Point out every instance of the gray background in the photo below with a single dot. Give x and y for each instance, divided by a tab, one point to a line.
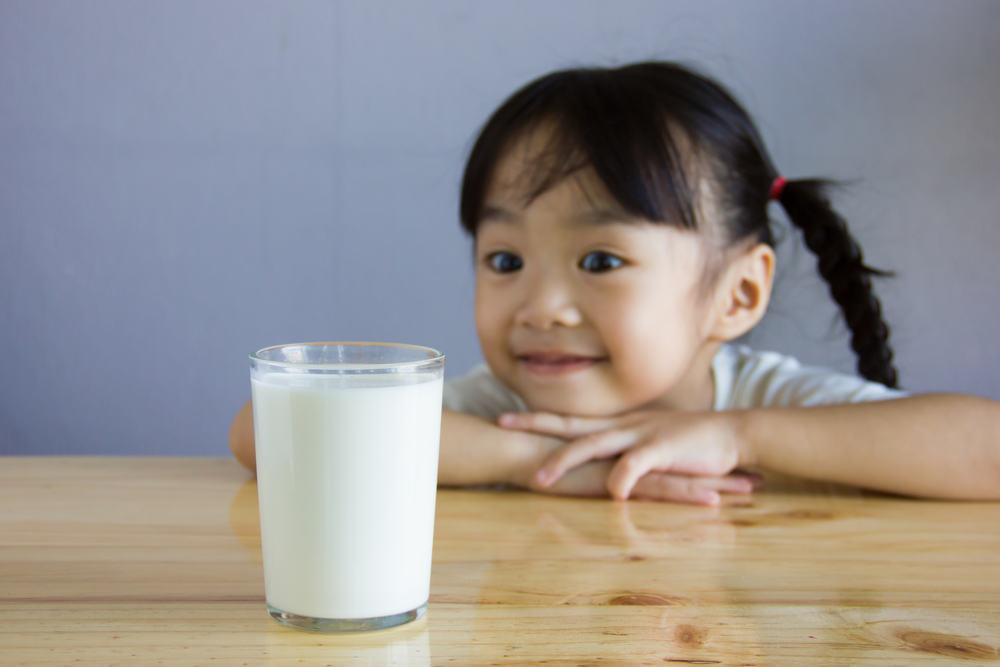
184	182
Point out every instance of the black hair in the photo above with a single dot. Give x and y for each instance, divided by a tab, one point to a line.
654	133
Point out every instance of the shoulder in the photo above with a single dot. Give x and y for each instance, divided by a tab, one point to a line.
480	393
747	378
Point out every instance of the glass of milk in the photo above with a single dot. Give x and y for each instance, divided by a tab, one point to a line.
347	449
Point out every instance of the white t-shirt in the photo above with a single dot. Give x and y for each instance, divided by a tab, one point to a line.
744	378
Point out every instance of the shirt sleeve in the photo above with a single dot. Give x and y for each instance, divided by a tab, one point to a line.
748	379
481	394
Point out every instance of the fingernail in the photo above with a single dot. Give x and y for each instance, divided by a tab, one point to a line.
505	419
711	498
543	477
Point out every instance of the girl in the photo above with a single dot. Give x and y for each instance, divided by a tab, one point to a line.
619	218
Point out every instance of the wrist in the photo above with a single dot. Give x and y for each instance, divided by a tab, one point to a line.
743	425
524	454
476	451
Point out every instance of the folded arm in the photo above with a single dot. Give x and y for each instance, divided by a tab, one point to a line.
475	451
943	445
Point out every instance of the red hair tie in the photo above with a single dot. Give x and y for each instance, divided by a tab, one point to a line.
777	187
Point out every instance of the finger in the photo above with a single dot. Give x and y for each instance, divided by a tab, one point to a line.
595	446
632	466
690	489
677	488
685	488
547	423
756	479
738	484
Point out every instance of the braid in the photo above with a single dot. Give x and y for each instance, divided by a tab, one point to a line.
841	264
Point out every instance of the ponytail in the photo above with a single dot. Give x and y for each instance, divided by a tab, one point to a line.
840	262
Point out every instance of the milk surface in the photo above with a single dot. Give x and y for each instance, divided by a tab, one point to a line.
347	478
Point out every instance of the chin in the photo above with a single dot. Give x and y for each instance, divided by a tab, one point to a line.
578	407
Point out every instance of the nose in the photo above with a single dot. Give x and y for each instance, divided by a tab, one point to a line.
548	302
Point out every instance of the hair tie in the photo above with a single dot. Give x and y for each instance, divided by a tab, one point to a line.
777	187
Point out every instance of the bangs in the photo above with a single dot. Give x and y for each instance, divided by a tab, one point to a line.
615	122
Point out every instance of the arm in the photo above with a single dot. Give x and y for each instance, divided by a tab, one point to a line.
943	445
241	437
935	445
476	451
473	450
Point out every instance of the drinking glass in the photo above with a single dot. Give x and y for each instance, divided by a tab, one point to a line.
346	441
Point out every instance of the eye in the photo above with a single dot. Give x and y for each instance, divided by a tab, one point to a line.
599	262
504	262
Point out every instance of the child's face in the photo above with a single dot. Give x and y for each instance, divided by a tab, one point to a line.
582	309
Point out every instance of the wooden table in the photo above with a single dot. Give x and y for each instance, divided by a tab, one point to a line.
131	560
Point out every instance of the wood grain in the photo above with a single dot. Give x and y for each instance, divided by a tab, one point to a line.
157	561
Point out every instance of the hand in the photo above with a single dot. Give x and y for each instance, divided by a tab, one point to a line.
590	479
688	456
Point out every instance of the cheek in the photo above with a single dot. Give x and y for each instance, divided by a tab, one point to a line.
629	322
489	317
648	338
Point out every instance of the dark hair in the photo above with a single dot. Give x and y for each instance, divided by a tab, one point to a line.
653	132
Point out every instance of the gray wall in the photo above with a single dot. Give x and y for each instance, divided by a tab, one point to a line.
184	182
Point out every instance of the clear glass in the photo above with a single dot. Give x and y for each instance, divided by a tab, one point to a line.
347	441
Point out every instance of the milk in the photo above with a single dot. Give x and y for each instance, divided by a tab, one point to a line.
346	474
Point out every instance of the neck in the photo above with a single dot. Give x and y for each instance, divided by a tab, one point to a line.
696	390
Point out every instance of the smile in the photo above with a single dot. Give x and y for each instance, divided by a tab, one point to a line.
557	364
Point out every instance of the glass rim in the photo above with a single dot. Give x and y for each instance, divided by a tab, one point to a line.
434	357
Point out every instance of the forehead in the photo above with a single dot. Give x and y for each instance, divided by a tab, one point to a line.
533	168
536	160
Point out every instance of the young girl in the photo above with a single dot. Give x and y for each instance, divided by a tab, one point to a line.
622	241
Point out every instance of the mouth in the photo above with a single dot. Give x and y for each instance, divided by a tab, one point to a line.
554	363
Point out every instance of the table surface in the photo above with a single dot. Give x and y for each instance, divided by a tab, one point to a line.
131	560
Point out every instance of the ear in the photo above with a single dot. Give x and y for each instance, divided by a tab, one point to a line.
743	292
